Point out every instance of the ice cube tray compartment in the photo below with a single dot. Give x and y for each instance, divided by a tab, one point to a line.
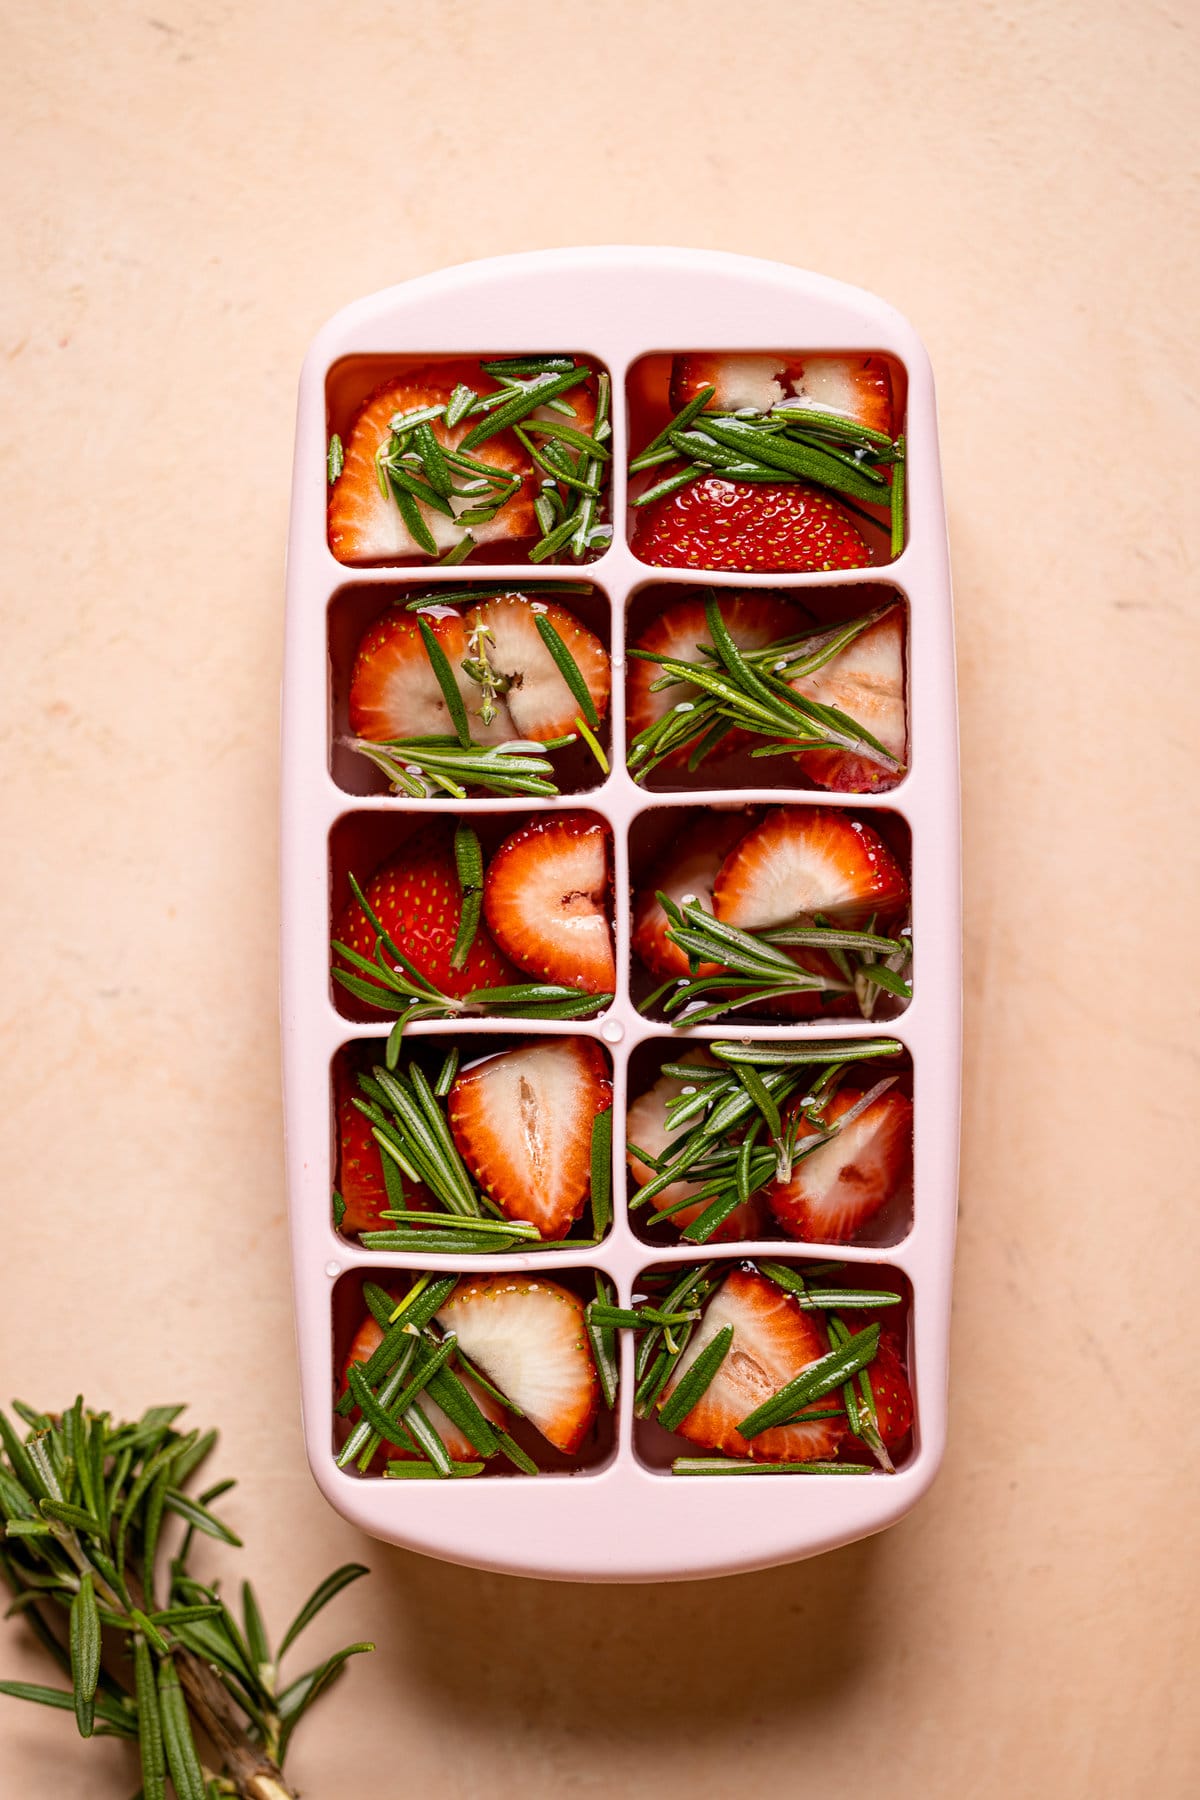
621	1519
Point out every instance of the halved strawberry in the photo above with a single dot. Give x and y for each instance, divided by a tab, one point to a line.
686	870
681	631
418	900
850	385
536	700
360	1160
528	1335
547	899
836	1190
802	860
757	527
772	1342
366	525
522	1121
394	692
367	1340
646	1126
866	681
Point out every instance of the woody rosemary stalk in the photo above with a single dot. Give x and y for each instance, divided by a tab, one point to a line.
152	1654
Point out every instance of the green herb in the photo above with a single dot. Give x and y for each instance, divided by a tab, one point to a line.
722	1465
601	1172
694	1384
468	860
81	1498
788	443
336	460
756	969
726	688
397	985
603	1339
820	1377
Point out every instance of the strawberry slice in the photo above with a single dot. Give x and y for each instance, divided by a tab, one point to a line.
850	385
367	1340
394	692
546	899
418	900
687	871
890	1391
522	1121
366	525
646	1126
802	860
836	1190
866	681
529	1336
772	1341
756	527
536	699
681	631
360	1162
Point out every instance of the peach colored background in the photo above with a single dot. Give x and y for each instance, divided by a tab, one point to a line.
189	190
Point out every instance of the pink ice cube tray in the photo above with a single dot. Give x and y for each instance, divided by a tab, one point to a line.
622	1515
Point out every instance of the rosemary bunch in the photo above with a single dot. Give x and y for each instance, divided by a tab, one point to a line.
733	1136
398	986
152	1653
408	1123
788	443
416	468
756	969
753	691
840	1378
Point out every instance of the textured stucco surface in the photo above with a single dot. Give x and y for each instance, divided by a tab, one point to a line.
188	191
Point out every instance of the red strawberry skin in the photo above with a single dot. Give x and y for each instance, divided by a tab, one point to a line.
891	1392
417	898
834	1193
360	1161
547	899
757	528
533	1156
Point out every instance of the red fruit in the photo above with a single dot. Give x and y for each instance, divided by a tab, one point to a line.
849	385
546	898
536	701
646	1126
522	1121
802	860
366	525
866	681
772	1342
681	630
529	1336
686	870
394	692
360	1163
891	1392
418	900
836	1190
757	527
368	1339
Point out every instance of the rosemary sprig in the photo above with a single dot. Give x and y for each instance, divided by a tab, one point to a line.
788	443
152	1654
753	691
717	1123
732	1465
407	1116
392	983
756	969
